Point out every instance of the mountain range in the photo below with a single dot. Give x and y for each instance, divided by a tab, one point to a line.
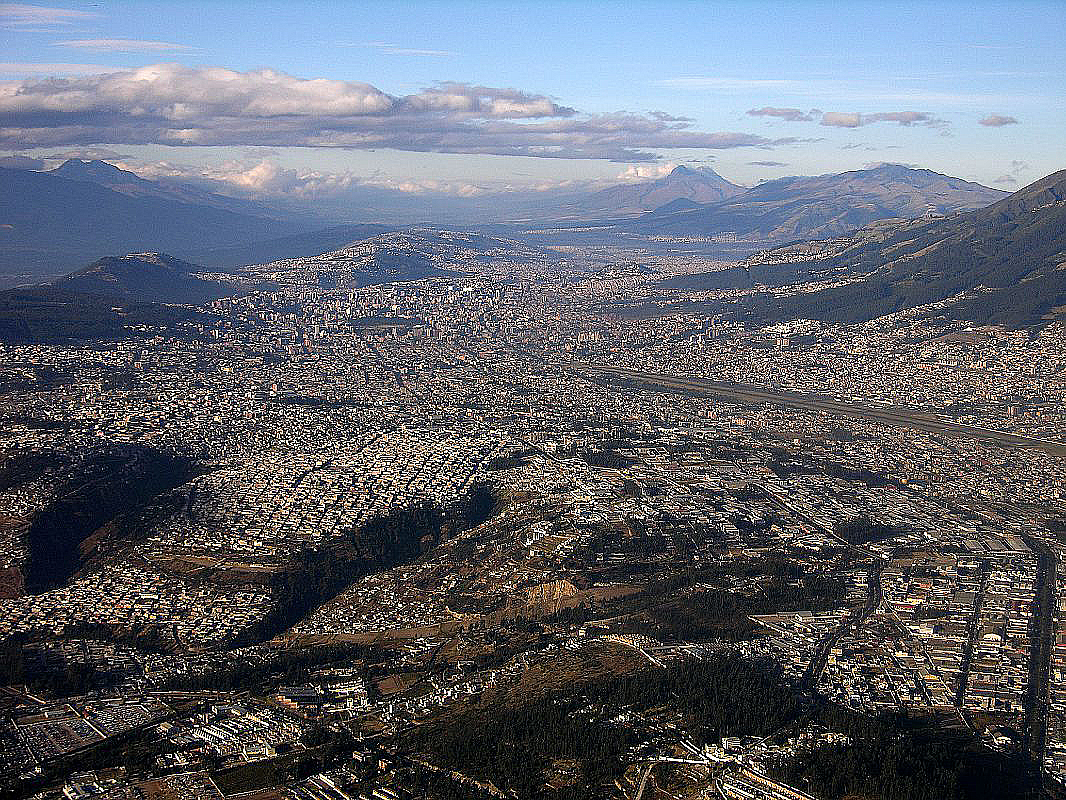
51	223
1003	264
788	209
54	221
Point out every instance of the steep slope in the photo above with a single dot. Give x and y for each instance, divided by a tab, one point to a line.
788	209
1009	259
148	277
50	224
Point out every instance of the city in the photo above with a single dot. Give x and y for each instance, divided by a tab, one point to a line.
551	400
630	526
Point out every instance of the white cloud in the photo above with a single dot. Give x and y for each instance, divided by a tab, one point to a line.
264	177
396	50
645	172
123	45
20	16
176	104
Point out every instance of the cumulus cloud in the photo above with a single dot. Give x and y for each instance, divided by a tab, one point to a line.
997	121
123	45
23	17
840	119
790	114
265	178
258	178
645	172
182	105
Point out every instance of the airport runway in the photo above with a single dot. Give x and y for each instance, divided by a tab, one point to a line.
889	415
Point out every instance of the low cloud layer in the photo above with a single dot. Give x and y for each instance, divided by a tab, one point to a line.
180	105
263	178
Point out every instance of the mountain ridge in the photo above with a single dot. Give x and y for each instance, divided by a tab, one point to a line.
50	224
1002	264
799	207
150	276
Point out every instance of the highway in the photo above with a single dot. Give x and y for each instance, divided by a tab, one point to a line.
810	401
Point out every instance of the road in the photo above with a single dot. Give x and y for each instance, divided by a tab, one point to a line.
643	782
1041	636
971	637
855	617
810	401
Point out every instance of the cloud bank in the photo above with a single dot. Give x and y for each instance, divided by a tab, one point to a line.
181	105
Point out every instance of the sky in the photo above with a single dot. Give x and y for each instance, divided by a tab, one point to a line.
466	98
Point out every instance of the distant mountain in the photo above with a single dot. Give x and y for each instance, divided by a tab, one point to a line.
702	185
50	224
1008	261
76	169
144	277
128	183
788	209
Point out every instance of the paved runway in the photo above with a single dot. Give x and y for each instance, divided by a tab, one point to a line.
750	393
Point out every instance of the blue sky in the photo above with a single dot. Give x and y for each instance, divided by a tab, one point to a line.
972	89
